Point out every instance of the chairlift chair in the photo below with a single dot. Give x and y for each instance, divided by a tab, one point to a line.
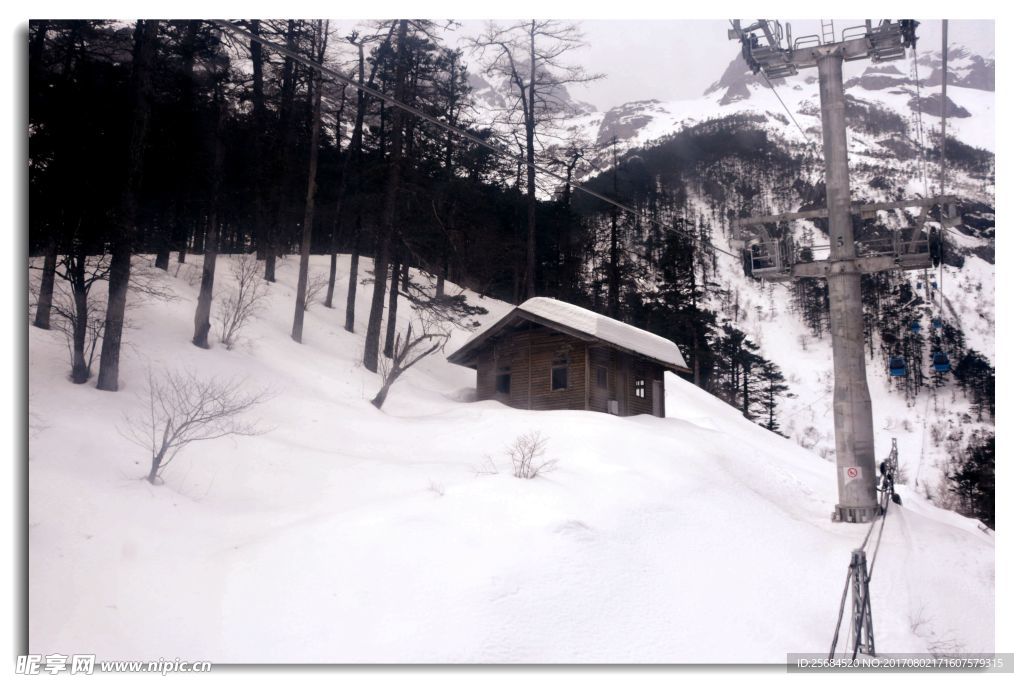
897	366
940	361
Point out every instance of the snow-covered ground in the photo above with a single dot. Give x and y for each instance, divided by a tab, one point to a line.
348	534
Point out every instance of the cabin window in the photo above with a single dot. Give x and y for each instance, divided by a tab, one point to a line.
560	373
602	377
640	388
503	380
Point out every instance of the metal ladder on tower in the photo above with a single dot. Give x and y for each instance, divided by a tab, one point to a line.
828	31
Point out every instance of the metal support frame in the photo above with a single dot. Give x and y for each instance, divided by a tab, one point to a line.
863	629
855	450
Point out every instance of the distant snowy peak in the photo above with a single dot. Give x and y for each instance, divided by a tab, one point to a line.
736	82
498	93
627	120
965	69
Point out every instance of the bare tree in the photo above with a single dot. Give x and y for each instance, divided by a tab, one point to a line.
81	271
80	320
410	349
184	408
236	308
530	54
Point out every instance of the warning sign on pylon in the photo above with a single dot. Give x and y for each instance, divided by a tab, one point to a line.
851	474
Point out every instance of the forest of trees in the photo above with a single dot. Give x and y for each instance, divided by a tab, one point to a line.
169	138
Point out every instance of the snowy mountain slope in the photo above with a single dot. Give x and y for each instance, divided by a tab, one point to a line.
348	534
883	163
971	89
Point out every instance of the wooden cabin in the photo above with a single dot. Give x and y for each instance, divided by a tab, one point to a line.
547	354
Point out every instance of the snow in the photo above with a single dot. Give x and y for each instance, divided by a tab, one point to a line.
765	312
599	326
348	534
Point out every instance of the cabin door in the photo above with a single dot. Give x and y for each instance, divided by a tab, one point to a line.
658	394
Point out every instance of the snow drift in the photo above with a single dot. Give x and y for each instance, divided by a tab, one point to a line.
348	534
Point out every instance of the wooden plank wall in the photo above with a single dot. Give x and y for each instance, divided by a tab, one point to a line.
529	354
602	357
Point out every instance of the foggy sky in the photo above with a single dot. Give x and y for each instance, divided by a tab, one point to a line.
671	59
668	60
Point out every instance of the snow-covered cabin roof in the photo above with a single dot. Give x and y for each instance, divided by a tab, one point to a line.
579	322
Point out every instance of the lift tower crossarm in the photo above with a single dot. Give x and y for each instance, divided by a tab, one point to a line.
863	210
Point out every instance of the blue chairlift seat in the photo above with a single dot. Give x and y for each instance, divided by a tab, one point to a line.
940	361
937	323
897	366
915	327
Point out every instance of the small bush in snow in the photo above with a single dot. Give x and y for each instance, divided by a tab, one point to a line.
316	284
527	455
486	467
245	299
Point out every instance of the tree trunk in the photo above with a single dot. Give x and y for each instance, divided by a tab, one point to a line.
442	272
389	338
382	252
531	176
183	248
307	220
285	132
121	250
79	368
183	225
45	302
329	299
259	121
354	162
201	333
163	251
154	468
353	280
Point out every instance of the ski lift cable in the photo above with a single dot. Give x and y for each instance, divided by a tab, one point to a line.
784	106
878	539
238	33
942	154
792	118
922	159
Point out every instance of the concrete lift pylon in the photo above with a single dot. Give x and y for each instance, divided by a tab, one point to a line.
778	56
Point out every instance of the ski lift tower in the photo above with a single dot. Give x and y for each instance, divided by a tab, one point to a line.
770	49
